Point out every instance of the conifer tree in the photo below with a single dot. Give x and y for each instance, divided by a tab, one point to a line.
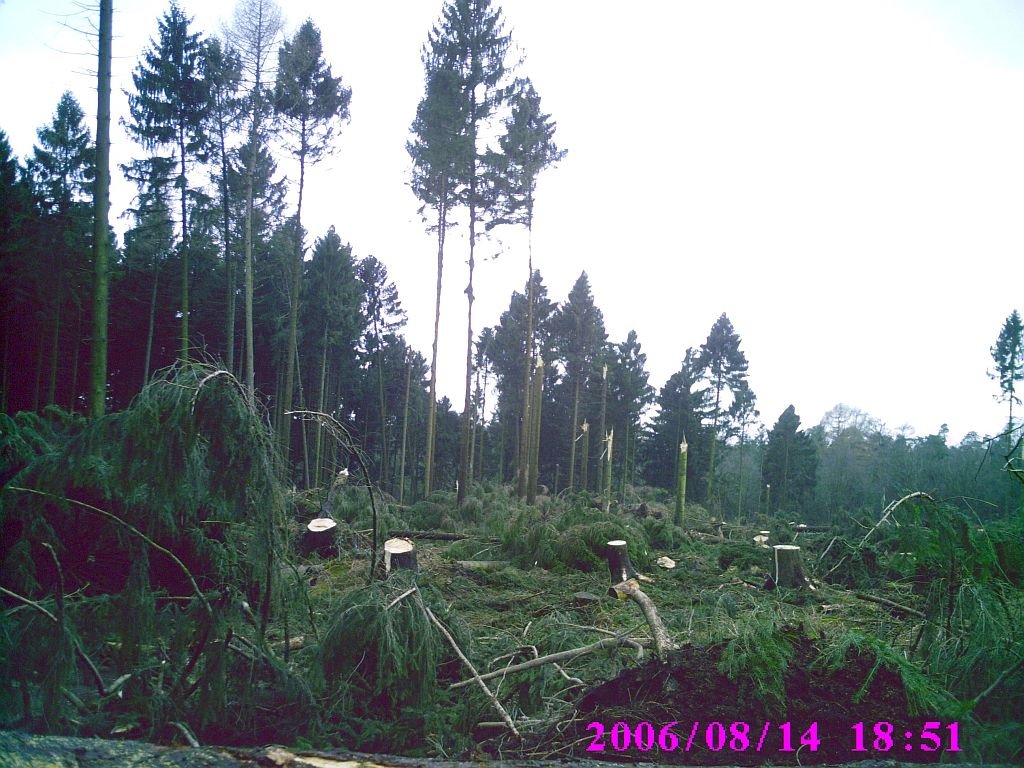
527	148
725	367
470	43
224	74
254	30
579	339
790	462
1008	355
440	152
169	108
311	103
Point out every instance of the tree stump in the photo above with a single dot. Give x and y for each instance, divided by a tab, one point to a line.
399	554
320	537
789	568
619	564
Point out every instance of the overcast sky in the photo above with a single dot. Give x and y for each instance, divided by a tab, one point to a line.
844	179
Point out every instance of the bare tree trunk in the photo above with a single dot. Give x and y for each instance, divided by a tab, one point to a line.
405	430
51	396
467	415
534	448
101	226
428	463
572	443
152	322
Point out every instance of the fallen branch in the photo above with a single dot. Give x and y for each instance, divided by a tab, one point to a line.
890	604
551	658
998	682
469	665
434	535
886	514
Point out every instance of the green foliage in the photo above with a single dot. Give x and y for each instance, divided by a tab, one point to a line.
381	660
757	659
923	696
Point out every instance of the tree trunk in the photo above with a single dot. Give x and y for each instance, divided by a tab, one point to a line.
534	433
585	458
51	396
572	439
291	356
320	408
405	431
399	554
184	251
681	483
428	462
229	262
152	322
101	236
467	415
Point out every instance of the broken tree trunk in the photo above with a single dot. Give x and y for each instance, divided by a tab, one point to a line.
399	554
625	583
789	568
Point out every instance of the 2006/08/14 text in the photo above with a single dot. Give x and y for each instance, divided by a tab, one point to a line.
739	736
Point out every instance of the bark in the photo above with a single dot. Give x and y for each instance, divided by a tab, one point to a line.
405	432
789	568
535	413
575	427
428	463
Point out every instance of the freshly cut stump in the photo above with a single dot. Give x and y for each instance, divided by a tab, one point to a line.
789	568
399	554
619	564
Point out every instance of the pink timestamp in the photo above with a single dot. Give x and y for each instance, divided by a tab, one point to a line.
740	736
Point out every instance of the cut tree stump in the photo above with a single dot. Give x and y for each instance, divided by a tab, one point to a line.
399	554
789	568
619	564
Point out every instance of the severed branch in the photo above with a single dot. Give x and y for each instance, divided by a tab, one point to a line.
998	682
885	516
469	665
551	658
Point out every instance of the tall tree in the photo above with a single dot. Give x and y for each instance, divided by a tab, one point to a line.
224	75
254	30
527	148
169	108
1008	355
726	369
580	338
62	169
311	103
440	151
384	317
790	461
471	43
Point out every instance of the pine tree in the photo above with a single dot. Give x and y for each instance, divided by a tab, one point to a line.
62	170
790	463
726	368
579	339
253	33
311	103
224	75
1008	355
169	108
527	148
471	44
440	152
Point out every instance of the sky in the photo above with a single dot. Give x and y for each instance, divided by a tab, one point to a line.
844	180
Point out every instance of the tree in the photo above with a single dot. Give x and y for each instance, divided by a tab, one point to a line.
579	338
62	170
630	394
725	367
169	107
1008	355
471	44
311	103
789	464
224	75
253	33
101	204
682	405
384	317
440	150
527	148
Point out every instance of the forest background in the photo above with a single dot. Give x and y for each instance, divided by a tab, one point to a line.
335	316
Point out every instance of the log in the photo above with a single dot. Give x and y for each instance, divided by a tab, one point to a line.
789	568
399	554
619	564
